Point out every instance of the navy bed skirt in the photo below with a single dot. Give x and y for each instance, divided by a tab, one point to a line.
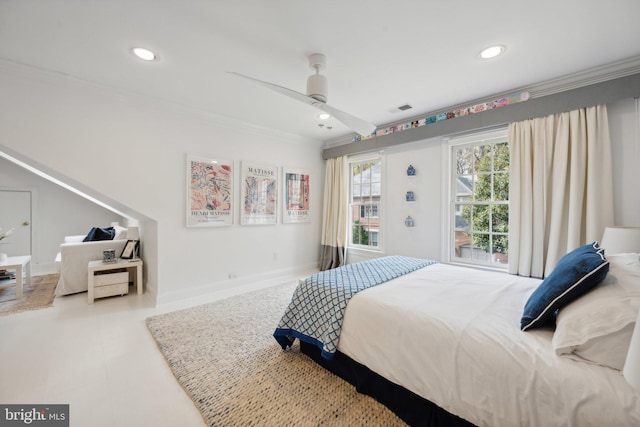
411	408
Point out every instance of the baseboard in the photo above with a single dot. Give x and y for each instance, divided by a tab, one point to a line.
237	286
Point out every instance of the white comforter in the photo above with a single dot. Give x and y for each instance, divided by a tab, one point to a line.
451	335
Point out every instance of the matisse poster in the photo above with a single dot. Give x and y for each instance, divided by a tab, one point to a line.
295	196
259	194
209	192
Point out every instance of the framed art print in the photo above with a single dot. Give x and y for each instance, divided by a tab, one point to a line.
295	197
209	192
259	194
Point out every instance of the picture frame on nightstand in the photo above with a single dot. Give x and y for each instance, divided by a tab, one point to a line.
130	249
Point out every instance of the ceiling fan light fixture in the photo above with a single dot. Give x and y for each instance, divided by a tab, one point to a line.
492	52
144	54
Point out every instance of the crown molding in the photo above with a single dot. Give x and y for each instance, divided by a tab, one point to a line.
566	83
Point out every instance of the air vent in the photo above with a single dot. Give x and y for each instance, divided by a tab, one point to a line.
400	108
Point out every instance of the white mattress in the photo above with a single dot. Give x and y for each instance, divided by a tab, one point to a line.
451	335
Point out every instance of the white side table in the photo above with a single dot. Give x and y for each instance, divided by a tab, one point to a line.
21	264
112	283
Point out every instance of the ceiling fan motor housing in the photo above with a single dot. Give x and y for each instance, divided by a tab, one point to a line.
317	84
317	87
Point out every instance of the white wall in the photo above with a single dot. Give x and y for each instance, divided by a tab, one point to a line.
427	156
56	213
422	240
133	150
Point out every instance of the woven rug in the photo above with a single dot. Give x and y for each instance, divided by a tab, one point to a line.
39	294
226	359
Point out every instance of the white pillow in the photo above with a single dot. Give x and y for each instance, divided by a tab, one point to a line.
74	239
121	233
597	327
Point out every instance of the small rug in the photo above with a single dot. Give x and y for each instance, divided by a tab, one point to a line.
39	294
225	357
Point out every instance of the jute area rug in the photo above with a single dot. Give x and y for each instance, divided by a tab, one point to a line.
225	357
39	294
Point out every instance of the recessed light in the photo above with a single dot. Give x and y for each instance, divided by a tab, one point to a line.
144	54
492	52
323	116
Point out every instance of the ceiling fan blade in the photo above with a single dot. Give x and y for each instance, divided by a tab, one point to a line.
354	123
280	89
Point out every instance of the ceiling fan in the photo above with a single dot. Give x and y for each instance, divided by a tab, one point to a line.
317	96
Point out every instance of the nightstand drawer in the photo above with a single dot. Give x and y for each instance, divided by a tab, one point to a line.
110	279
111	290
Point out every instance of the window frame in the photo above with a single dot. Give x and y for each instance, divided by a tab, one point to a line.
351	161
450	206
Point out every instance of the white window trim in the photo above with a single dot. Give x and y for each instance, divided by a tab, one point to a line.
447	189
359	249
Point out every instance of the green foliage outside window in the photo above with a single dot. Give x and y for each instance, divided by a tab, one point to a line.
360	235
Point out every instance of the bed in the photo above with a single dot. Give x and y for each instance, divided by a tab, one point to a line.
443	345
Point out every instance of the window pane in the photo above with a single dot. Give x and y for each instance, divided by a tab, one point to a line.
463	217
482	158
464	188
464	161
375	189
357	213
500	218
501	186
462	243
500	249
481	218
483	187
373	237
501	157
366	172
356	190
359	234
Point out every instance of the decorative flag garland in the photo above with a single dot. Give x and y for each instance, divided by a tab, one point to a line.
478	108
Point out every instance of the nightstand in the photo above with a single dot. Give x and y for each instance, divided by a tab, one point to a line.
112	278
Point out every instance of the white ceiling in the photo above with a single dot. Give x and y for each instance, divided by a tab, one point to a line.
380	54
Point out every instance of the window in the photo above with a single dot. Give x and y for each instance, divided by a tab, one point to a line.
480	199
369	211
365	193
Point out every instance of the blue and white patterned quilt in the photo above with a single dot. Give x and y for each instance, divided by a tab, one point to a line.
318	304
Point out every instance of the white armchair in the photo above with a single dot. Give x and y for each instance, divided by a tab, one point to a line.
74	258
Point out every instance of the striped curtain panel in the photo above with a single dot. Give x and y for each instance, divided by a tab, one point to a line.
334	215
561	187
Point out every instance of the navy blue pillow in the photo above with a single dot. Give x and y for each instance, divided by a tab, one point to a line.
97	233
576	273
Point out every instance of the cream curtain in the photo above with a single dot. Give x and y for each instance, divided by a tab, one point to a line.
334	215
561	187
